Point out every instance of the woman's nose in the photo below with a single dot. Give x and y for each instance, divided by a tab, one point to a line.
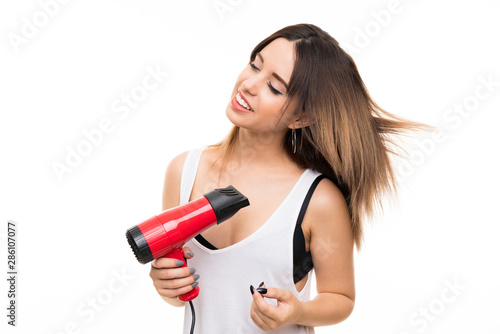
250	84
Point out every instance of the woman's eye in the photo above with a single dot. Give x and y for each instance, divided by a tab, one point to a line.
254	67
274	90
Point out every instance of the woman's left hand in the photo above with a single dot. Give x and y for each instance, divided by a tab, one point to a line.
269	317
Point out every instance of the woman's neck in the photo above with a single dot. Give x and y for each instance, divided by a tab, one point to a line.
259	149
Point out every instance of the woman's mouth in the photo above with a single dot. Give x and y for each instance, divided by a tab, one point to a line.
240	104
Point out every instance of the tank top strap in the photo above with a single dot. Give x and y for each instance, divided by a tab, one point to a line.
189	174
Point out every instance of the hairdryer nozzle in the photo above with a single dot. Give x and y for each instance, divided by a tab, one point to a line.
139	245
226	202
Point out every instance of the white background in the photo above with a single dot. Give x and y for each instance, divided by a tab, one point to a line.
418	62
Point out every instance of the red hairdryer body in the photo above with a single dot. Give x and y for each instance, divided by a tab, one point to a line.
165	234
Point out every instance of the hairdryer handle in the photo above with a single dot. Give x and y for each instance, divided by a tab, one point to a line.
179	255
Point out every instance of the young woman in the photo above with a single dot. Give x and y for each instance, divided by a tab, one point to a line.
311	151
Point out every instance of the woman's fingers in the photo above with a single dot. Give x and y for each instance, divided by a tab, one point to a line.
188	253
171	280
166	262
172	293
175	283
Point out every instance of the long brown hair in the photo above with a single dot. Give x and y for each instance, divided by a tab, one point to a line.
349	140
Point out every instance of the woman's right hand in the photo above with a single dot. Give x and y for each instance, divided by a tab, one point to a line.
171	281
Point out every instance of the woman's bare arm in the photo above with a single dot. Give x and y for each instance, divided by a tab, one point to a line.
331	246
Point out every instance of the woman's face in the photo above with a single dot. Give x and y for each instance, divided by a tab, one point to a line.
262	88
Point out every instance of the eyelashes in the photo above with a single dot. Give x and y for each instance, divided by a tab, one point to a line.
254	67
273	90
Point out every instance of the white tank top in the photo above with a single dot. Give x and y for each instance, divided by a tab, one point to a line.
223	305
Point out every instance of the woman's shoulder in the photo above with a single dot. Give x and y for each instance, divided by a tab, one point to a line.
174	167
176	164
327	207
173	175
327	193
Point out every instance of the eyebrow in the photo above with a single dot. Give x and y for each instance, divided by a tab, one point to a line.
280	79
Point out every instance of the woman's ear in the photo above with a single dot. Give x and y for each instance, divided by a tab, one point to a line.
301	122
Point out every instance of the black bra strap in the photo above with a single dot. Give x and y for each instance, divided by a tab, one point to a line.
205	242
308	198
302	259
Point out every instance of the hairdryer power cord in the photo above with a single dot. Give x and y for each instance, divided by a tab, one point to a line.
193	317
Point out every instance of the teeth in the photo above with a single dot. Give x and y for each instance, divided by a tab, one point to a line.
242	102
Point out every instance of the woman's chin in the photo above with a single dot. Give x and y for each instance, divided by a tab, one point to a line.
232	115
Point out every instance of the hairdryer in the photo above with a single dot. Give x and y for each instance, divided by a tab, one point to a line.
165	234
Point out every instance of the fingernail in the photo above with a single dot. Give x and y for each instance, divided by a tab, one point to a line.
262	291
189	253
179	263
194	285
195	277
252	289
192	271
261	284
